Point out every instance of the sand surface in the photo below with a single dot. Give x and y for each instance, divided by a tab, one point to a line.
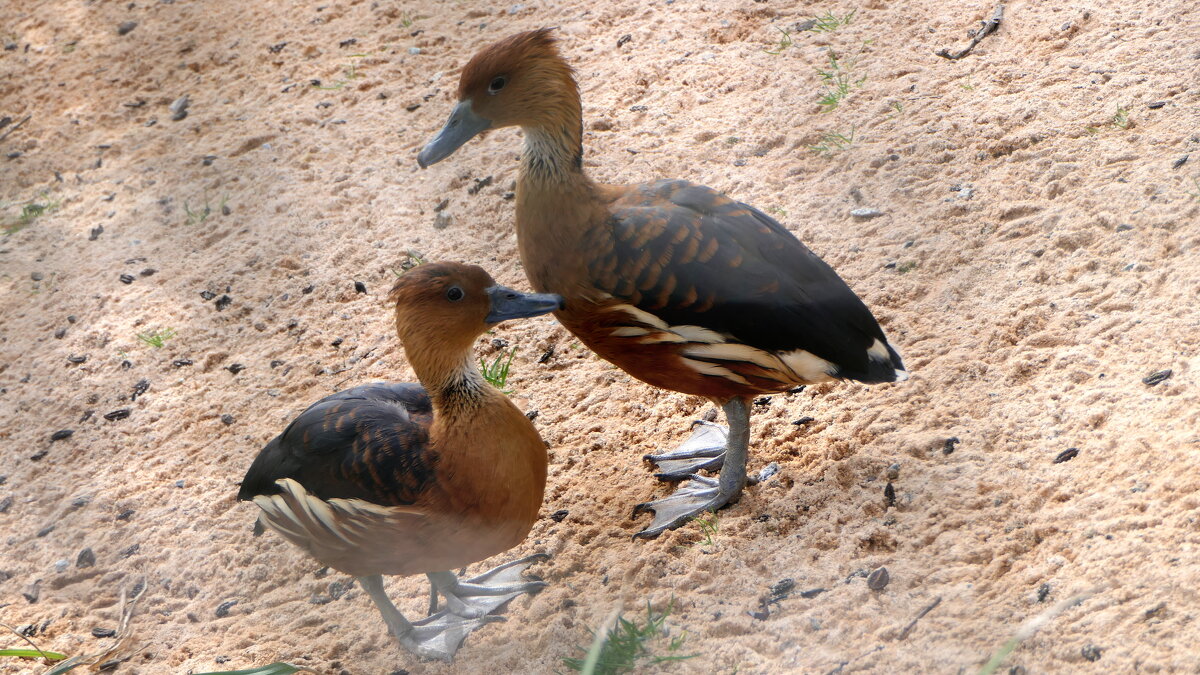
1037	257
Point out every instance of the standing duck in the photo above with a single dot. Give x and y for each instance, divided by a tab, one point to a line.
675	283
417	478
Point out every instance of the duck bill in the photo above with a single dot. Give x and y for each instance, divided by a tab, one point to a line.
462	126
509	304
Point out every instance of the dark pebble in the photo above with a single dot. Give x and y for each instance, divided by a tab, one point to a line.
181	483
61	434
509	195
140	388
39	454
236	368
127	278
207	160
949	445
60	333
890	265
86	558
319	599
227	419
532	415
1091	652
112	664
259	528
441	205
804	420
547	355
412	106
126	27
130	550
337	342
37	276
624	39
6	504
1124	227
103	632
3	480
80	502
77	359
148	272
499	343
811	593
762	400
878	580
480	183
96	232
780	589
276	363
795	390
889	495
125	515
223	302
207	295
276	48
32	592
1157	377
559	515
1043	592
360	287
126	364
180	363
1179	162
339	588
308	289
45	531
119	414
1155	105
71	318
224	607
179	107
1066	455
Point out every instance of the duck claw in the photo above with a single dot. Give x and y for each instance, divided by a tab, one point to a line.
697	496
439	636
704	450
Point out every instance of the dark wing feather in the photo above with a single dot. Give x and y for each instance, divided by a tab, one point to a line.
370	442
691	256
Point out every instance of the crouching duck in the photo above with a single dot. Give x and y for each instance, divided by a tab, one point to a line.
417	478
675	283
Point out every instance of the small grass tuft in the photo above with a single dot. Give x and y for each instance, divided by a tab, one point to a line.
838	81
157	338
631	645
497	373
1121	118
831	22
906	267
708	527
833	143
784	43
277	668
1194	194
31	211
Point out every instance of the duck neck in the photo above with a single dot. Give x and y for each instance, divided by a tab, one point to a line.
455	385
553	154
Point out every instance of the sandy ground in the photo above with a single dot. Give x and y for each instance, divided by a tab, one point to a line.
1037	257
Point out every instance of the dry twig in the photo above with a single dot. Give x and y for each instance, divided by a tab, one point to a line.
987	28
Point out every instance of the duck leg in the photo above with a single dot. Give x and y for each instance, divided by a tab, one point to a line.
435	637
481	595
700	494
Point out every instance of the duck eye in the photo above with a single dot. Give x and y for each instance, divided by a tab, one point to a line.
454	294
497	84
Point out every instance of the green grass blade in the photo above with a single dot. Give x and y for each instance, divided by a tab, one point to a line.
33	654
277	668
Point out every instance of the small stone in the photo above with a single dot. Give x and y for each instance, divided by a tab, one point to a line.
889	495
142	386
32	592
61	566
804	420
60	333
181	483
207	295
893	472
1179	162
781	589
1043	592
39	454
811	593
222	302
71	318
308	289
1155	105
866	213
441	205
224	607
130	550
339	588
235	368
103	632
559	515
227	419
442	220
621	41
119	414
96	232
77	359
80	502
127	278
499	343
337	342
6	504
532	415
360	287
275	364
61	434
148	272
179	107
125	515
126	27
878	580
1066	455
180	363
1124	227
414	50
1157	377
45	531
86	558
950	444
1091	652
37	276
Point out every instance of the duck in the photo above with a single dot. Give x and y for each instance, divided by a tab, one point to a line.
407	478
676	284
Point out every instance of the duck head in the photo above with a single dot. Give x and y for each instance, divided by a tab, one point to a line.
519	81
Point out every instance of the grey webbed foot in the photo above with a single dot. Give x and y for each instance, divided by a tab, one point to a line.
699	495
441	635
704	450
481	595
